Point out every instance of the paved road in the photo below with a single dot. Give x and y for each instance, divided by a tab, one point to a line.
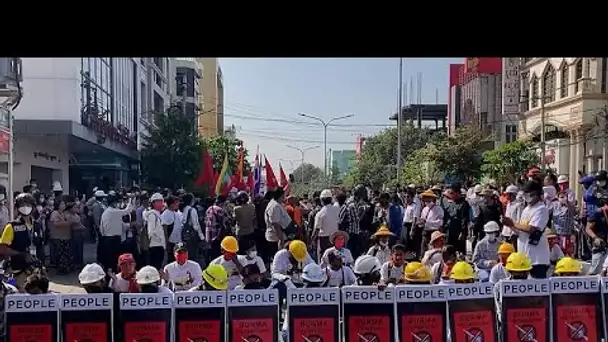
69	283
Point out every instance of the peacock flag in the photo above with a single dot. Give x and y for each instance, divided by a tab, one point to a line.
224	177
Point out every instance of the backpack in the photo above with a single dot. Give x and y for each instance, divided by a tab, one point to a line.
188	231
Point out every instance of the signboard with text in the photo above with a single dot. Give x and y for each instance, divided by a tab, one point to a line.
369	314
314	314
421	312
87	317
200	316
32	318
525	310
472	312
577	309
146	317
253	316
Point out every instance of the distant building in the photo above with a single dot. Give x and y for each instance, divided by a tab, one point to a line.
437	113
343	160
186	74
211	102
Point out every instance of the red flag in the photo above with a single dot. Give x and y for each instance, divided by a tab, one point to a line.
283	180
271	179
205	175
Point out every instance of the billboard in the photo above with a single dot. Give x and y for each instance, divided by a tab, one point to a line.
510	86
483	65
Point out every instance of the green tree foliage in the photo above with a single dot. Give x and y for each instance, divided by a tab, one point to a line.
171	151
219	146
509	161
377	165
460	155
421	167
306	172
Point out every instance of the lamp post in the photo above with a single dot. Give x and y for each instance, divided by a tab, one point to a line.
302	158
325	124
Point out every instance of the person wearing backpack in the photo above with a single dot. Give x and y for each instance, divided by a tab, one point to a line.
192	235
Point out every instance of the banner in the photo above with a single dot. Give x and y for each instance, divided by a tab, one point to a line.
200	316
145	317
87	317
32	318
472	312
577	311
369	314
525	310
314	314
253	316
421	312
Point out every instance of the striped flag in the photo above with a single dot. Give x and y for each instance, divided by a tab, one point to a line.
257	172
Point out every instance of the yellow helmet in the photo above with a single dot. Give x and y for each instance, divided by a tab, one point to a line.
230	244
216	276
518	262
416	272
298	249
506	248
462	270
568	265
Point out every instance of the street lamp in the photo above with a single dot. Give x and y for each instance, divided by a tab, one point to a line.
302	155
325	124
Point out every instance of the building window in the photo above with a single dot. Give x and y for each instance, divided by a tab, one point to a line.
510	133
549	84
96	74
578	74
563	90
180	83
534	92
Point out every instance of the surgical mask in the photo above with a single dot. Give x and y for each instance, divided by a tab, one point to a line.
252	254
601	184
149	288
492	238
25	210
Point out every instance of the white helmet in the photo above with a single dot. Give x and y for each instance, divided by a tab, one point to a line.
478	188
57	186
100	193
562	179
91	273
147	275
326	194
313	273
491	227
156	197
367	264
512	189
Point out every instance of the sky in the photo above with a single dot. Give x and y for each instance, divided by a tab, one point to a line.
263	96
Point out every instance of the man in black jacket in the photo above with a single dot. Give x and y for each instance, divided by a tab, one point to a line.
456	217
489	210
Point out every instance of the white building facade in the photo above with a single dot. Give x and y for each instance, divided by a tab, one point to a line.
80	120
571	94
186	76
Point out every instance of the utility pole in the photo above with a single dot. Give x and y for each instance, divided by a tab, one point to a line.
302	158
399	112
325	124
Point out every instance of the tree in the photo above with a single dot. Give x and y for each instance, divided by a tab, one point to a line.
421	166
335	175
506	163
459	155
306	173
377	165
219	146
171	151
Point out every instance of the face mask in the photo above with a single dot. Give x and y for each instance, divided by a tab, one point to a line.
181	258
601	184
25	210
158	205
149	288
339	243
252	254
383	243
491	238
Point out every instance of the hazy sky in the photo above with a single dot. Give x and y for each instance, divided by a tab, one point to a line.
264	96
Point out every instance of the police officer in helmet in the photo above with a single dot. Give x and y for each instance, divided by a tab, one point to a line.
17	241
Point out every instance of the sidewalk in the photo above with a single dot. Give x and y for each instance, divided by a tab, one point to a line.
69	283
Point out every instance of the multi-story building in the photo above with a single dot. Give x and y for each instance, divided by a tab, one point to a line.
186	74
571	95
476	95
343	161
80	120
211	123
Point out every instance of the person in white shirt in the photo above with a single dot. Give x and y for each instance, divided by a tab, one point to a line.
251	258
381	248
555	251
190	218
562	183
513	211
172	223
230	261
392	271
411	212
485	254
111	229
339	240
124	281
433	255
149	280
289	262
156	232
326	221
499	271
532	223
183	274
277	219
441	271
338	274
431	217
